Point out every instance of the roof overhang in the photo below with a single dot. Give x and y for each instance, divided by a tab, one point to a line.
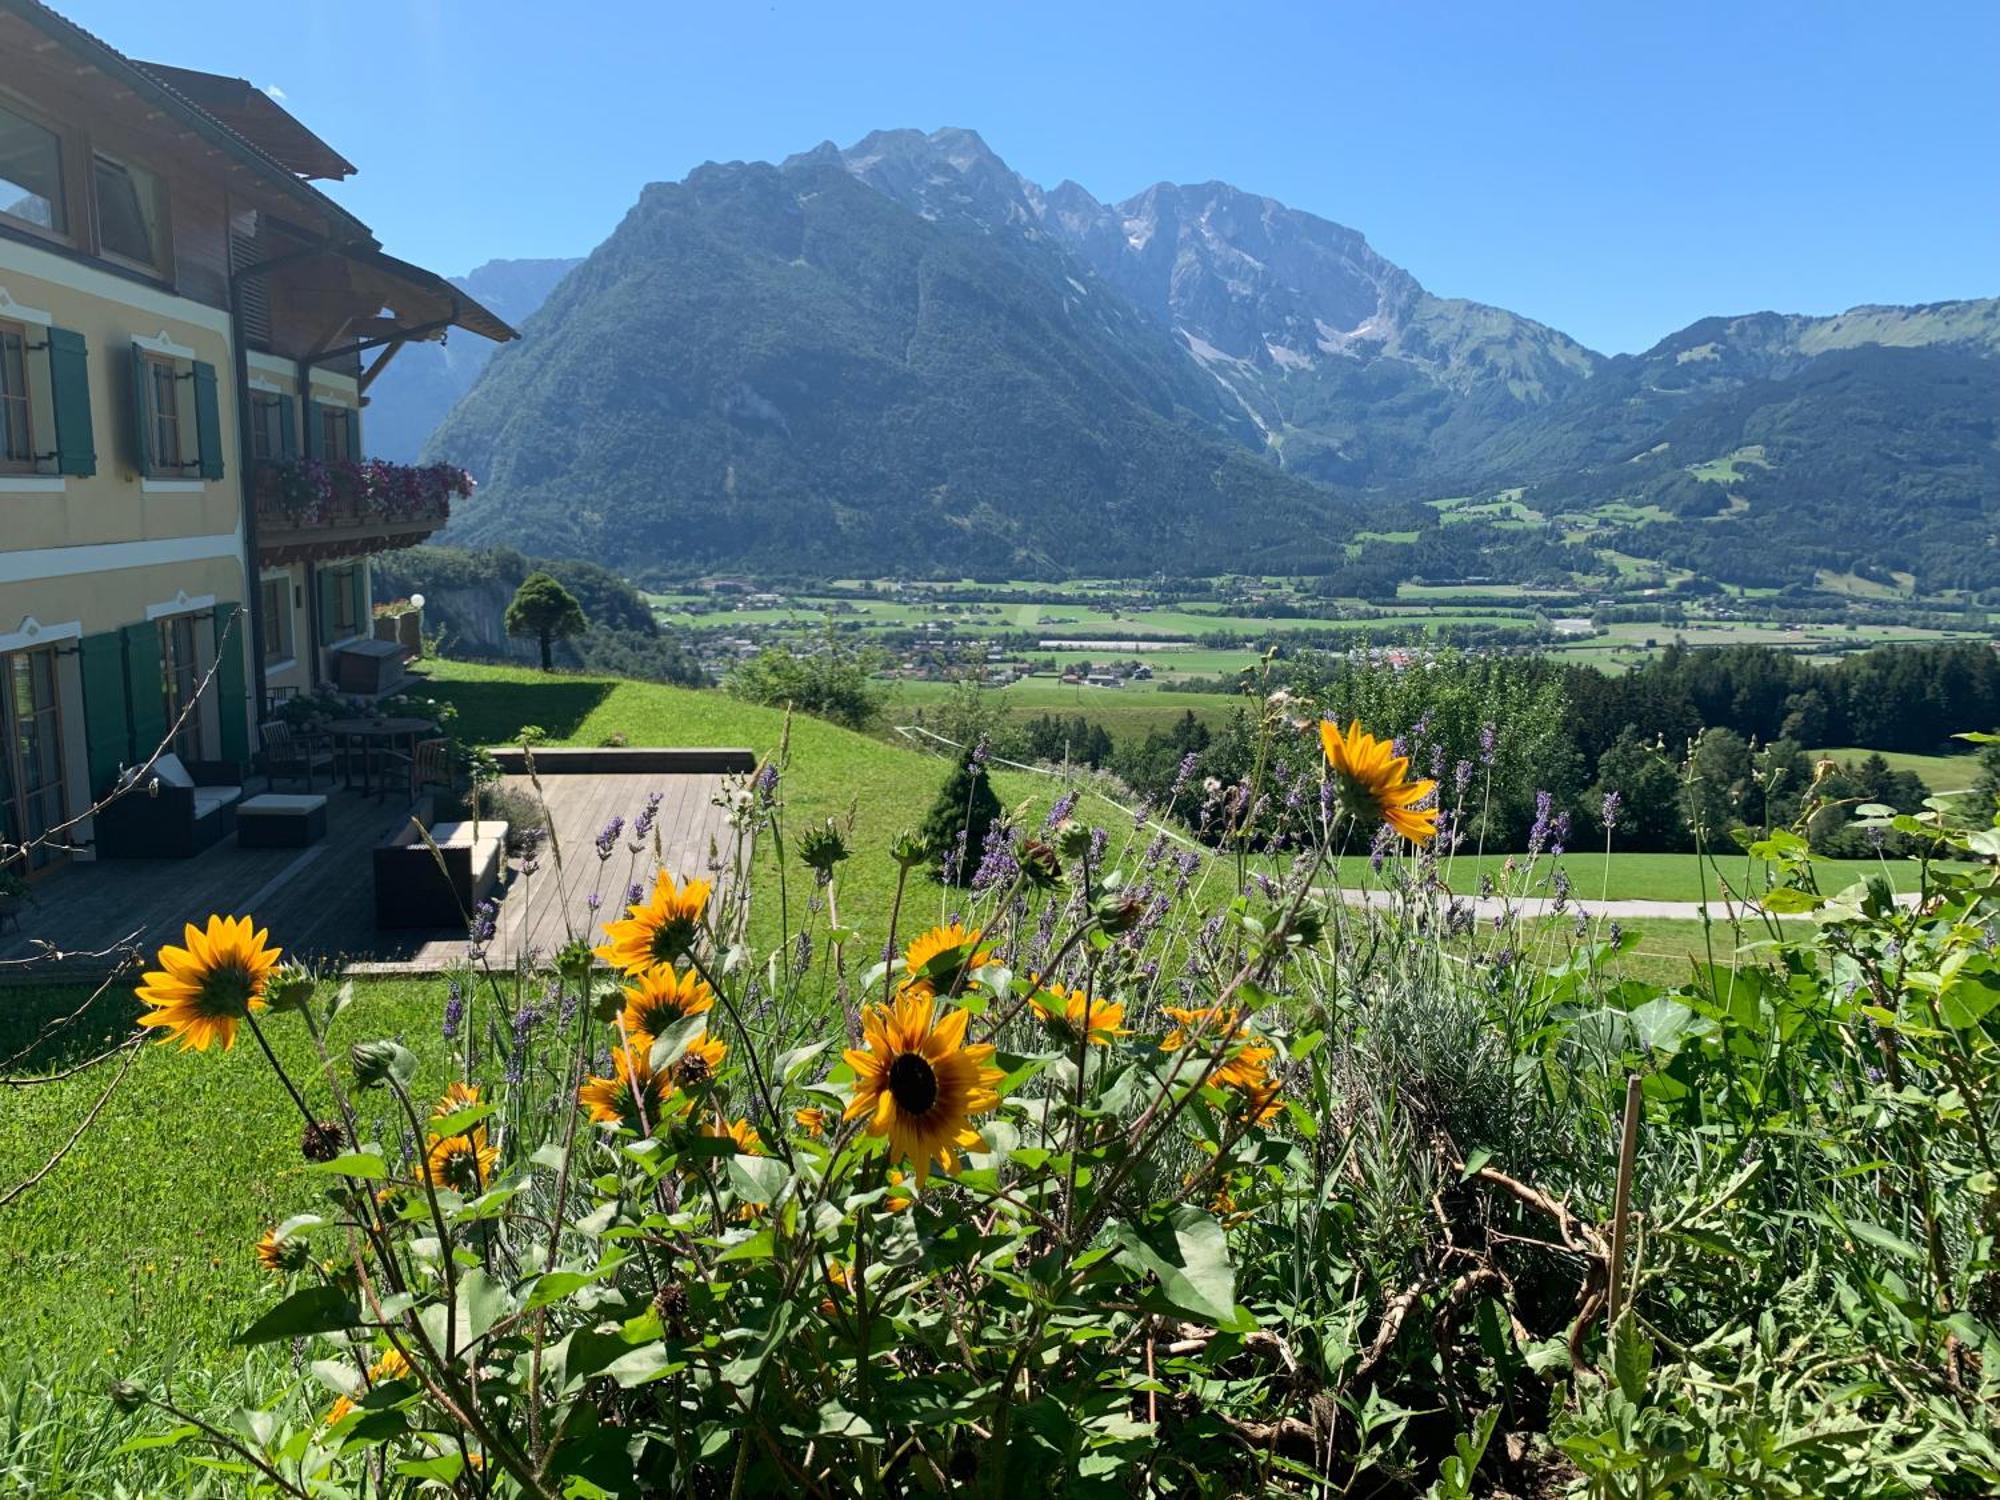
258	118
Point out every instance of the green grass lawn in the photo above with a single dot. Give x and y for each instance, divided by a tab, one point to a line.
137	1249
1941	773
1126	711
1648	877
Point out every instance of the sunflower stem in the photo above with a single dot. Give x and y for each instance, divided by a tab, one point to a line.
777	1132
279	1068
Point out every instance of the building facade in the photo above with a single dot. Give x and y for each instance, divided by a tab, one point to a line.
188	329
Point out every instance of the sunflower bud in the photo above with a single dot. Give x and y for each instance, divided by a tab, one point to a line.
1119	912
376	1063
1040	864
322	1141
291	988
1306	926
1072	839
574	961
127	1395
910	849
822	848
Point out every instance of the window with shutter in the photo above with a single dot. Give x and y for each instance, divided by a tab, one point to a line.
17	414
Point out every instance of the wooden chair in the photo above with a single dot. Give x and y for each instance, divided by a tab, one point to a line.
430	766
290	754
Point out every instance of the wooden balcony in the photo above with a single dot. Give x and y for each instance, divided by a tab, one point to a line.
313	511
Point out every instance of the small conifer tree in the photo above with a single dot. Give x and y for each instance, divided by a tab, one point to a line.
955	831
546	611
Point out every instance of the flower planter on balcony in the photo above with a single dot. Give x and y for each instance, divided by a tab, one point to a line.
312	509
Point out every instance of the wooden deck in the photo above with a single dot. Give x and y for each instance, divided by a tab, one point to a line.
318	902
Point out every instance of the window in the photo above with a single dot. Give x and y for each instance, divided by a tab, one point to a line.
267	426
181	672
274	608
17	426
31	173
129	213
32	796
333	443
163	408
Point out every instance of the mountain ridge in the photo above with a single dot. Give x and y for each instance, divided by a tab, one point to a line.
956	347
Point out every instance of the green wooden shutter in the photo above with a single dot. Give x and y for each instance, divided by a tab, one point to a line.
145	688
207	421
358	581
323	585
107	730
312	429
69	394
354	434
231	698
141	414
288	429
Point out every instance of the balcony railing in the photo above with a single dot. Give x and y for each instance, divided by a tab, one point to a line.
309	494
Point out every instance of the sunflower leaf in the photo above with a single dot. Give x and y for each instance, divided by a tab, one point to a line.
673	1043
313	1309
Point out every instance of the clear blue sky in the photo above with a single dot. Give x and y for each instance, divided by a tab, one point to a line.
1614	168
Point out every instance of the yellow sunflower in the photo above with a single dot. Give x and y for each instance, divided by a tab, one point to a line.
917	1080
202	990
1243	1065
457	1096
812	1121
632	1090
659	999
1260	1102
279	1256
659	930
463	1163
698	1065
742	1132
1373	782
942	961
1099	1020
391	1366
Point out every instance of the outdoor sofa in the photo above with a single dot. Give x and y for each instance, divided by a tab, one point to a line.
173	809
418	886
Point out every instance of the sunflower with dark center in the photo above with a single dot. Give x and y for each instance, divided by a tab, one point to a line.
1209	1028
918	1081
633	1096
462	1163
1372	783
662	929
943	960
700	1064
202	989
662	998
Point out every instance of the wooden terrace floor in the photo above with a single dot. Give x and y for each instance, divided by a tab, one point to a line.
318	902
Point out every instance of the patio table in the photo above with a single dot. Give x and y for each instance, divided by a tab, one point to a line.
371	732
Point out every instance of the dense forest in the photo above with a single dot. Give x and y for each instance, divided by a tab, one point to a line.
1693	744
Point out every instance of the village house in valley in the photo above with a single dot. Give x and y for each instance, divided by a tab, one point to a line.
188	331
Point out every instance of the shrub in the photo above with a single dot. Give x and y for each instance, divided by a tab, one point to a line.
961	820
